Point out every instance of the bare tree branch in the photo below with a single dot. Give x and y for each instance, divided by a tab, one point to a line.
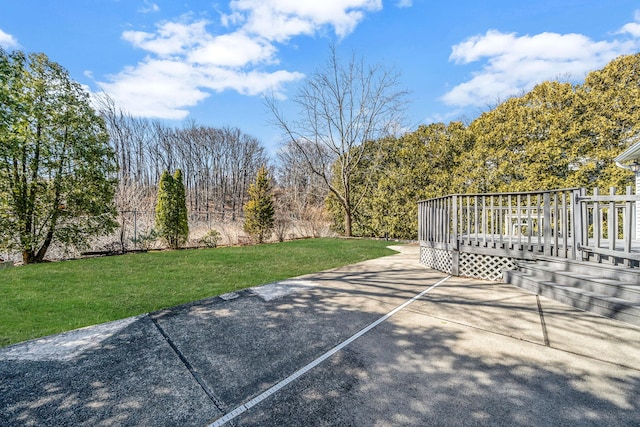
341	107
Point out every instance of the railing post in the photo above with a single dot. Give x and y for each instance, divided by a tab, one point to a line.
454	234
565	226
475	218
501	220
597	223
576	223
626	232
555	224
585	220
547	224
468	229
539	218
439	220
455	253
529	220
449	219
612	223
519	219
420	225
509	223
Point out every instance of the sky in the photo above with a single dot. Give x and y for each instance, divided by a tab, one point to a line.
214	61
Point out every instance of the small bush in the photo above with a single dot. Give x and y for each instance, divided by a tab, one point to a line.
210	239
145	241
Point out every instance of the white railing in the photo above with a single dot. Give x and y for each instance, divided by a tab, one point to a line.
564	223
609	225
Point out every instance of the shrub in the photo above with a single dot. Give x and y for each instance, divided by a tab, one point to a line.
211	239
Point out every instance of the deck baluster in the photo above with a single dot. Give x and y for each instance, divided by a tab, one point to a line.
567	223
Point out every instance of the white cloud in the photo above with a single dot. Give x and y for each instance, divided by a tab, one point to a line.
632	28
149	7
7	41
186	61
171	38
279	20
404	3
248	83
232	50
512	64
156	88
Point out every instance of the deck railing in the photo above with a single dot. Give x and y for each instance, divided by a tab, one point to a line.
564	223
609	226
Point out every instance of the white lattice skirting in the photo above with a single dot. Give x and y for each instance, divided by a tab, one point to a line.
486	267
438	259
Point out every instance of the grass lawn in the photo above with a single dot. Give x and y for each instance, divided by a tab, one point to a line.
43	299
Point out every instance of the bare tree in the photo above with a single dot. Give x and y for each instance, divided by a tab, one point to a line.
301	193
341	106
218	163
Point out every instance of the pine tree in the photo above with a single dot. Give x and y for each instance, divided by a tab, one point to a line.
171	210
259	210
163	206
180	201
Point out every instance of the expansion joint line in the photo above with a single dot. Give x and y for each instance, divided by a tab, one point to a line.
545	334
217	402
300	372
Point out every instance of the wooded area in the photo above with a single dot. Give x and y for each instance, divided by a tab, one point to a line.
558	135
358	175
218	164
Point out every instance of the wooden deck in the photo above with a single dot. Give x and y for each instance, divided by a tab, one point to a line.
563	223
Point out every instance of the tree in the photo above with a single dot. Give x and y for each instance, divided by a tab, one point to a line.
300	197
418	165
57	171
609	102
171	210
259	211
218	164
341	107
558	135
180	203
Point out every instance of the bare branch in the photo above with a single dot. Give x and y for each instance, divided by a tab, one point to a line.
341	106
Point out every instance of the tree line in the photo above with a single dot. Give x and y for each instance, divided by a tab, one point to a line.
558	135
218	164
66	167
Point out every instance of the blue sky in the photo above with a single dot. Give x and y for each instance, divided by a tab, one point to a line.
212	61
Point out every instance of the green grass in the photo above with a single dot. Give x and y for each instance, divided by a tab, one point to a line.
43	299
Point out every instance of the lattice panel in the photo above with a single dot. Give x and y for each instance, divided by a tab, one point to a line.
484	266
438	259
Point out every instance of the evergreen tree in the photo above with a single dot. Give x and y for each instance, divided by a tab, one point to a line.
171	210
259	210
180	202
163	205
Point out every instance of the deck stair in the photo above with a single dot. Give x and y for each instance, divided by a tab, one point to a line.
608	290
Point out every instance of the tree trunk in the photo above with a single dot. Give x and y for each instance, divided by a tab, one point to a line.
28	257
347	223
39	257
